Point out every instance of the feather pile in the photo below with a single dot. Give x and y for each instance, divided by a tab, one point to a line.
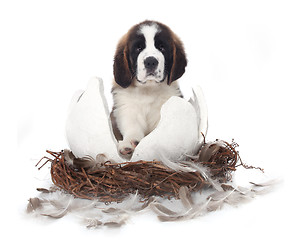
110	193
55	203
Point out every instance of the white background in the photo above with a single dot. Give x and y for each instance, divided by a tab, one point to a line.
242	53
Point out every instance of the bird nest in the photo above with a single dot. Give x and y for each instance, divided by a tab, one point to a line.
112	182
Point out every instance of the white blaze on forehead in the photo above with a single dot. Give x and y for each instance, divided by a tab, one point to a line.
149	32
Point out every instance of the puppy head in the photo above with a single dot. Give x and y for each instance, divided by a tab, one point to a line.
149	52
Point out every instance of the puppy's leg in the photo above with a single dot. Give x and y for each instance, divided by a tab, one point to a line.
132	126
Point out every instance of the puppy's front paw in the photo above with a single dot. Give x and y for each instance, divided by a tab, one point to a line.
126	148
126	151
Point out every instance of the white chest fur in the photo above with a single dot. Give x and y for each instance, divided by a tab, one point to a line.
137	108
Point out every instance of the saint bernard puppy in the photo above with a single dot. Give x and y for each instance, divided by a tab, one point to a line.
148	61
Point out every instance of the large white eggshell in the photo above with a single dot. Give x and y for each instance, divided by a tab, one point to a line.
88	126
177	133
89	131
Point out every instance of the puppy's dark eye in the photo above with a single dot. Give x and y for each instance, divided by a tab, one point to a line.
161	47
139	48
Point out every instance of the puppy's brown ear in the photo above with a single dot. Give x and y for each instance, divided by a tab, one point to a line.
122	72
179	61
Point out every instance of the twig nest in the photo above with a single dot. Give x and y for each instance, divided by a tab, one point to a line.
89	130
114	181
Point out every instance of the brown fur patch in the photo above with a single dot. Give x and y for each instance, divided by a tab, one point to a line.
122	73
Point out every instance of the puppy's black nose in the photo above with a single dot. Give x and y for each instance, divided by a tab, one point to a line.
151	63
